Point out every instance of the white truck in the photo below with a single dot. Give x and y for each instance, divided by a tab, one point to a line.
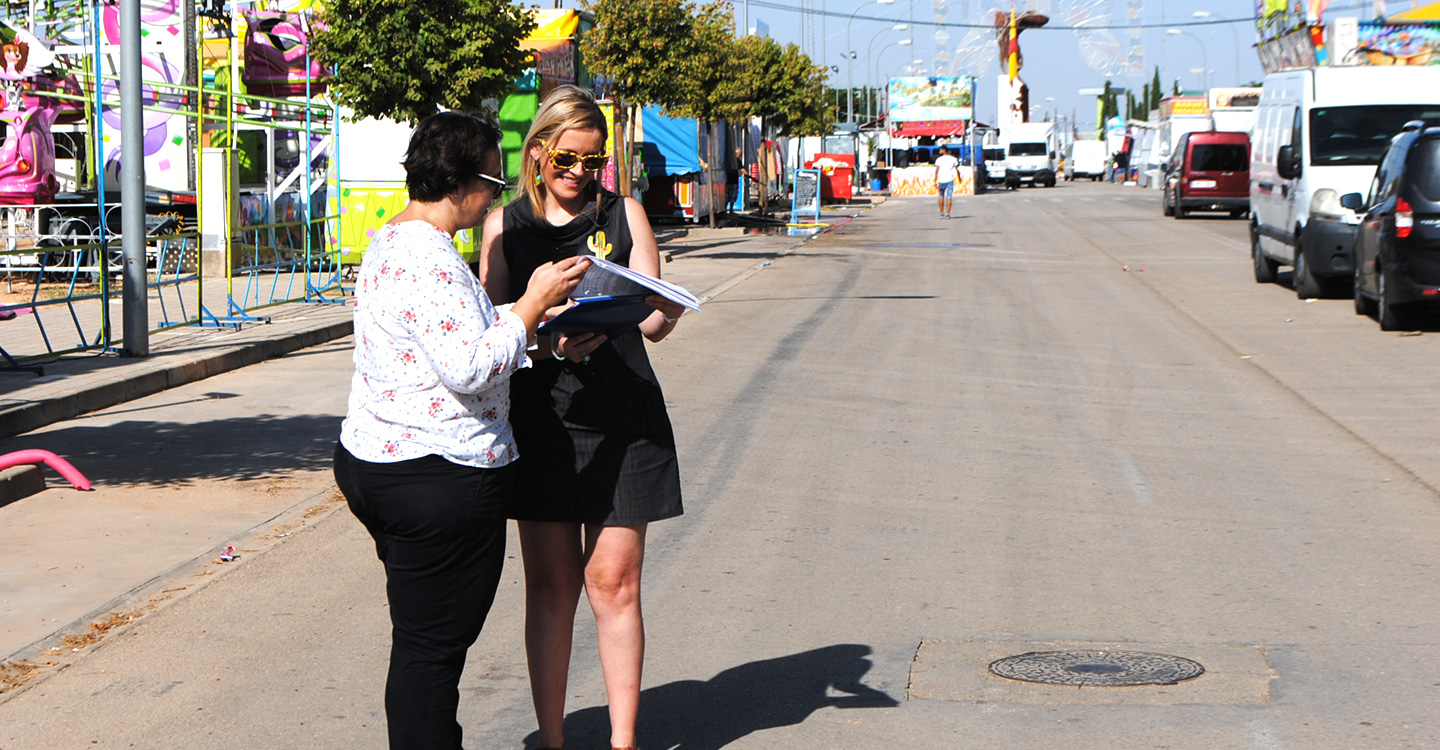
1032	150
1319	134
1087	159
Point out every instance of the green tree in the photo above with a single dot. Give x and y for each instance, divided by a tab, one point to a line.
1132	110
708	54
641	46
1145	101
780	85
1156	90
1178	91
405	59
1109	106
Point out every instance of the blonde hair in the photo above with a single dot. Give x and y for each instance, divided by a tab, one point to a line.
566	108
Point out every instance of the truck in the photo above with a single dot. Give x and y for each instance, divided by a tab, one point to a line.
1032	150
1087	159
1319	134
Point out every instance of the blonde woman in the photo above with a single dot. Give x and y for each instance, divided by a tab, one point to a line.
599	454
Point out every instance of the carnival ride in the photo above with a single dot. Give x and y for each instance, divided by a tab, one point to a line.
238	153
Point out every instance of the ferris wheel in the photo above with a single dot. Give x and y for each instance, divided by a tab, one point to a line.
1099	47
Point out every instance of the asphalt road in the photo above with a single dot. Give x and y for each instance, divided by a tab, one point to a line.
1057	421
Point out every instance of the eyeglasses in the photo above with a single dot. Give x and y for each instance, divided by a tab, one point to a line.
498	184
561	159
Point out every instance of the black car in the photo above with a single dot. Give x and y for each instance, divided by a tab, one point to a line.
1397	245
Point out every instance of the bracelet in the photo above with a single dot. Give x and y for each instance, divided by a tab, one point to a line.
668	319
555	352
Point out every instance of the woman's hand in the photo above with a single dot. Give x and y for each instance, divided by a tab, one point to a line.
553	282
670	309
576	348
550	286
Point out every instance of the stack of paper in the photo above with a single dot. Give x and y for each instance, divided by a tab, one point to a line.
611	300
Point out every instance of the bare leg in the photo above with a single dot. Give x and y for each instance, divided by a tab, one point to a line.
554	571
614	557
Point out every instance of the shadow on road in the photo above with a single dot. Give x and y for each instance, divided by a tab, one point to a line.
781	692
175	453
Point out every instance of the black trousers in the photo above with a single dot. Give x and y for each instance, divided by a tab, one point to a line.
439	528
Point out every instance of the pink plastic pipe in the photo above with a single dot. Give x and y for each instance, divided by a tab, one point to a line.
35	456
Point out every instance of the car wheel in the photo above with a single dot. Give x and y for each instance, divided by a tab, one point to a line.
1180	211
1363	306
1265	269
1306	285
1390	316
1165	206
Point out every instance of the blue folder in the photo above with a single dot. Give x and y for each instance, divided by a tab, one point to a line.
611	315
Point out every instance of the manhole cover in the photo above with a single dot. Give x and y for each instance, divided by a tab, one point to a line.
1097	668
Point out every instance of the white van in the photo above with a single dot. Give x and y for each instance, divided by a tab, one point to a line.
1319	134
1087	159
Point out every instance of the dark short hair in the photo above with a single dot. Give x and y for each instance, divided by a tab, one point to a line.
446	151
944	150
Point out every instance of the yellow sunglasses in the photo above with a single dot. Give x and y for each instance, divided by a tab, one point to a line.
562	159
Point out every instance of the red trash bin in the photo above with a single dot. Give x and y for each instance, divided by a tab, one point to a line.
837	176
837	184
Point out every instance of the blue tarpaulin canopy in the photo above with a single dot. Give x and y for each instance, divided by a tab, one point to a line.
670	144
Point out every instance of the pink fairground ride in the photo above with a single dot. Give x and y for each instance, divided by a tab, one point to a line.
27	155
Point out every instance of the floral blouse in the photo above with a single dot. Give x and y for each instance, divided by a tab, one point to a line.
433	357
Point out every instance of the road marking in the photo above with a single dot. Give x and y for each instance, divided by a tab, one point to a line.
1133	478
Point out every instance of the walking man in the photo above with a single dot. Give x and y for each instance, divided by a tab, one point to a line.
947	168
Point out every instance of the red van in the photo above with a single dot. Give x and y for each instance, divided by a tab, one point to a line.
1209	171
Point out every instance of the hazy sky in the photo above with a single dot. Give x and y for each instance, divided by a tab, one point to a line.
1055	67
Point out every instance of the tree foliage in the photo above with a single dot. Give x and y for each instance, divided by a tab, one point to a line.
685	59
1157	91
1109	106
707	65
779	84
405	59
641	46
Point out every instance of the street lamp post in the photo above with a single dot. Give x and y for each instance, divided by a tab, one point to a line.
1234	38
878	70
870	48
1204	58
850	56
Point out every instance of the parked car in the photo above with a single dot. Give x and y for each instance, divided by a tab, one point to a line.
1208	171
994	157
1397	244
1319	133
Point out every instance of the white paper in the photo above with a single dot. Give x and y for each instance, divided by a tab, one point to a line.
665	289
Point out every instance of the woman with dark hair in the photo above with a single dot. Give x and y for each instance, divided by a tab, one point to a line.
600	458
426	455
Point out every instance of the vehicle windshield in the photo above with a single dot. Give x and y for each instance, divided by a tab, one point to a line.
1359	135
994	154
1027	149
1219	157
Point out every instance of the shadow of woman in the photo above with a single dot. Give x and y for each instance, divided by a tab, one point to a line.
696	715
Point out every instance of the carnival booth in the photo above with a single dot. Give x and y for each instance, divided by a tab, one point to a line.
674	150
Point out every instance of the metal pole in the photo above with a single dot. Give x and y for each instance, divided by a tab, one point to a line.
132	183
98	158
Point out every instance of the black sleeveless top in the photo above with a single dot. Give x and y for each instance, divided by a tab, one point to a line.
616	391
